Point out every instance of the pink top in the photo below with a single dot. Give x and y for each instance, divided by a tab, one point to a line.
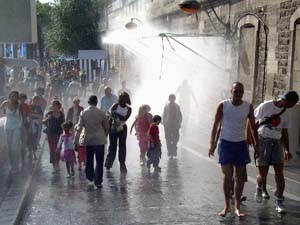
143	124
66	142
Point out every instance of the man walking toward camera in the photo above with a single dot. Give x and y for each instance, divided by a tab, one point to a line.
273	122
232	115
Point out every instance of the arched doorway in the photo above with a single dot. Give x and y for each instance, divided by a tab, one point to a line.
295	65
247	60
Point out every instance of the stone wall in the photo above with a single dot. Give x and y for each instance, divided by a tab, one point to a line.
283	50
273	68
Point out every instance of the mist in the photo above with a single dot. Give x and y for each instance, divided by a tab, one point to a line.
162	65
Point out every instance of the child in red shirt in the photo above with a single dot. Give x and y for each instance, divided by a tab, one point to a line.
154	150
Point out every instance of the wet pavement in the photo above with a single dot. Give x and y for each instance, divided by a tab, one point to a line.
187	191
15	190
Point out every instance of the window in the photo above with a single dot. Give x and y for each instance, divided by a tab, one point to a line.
247	61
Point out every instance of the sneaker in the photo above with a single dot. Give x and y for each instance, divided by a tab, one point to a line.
258	195
279	206
142	163
265	195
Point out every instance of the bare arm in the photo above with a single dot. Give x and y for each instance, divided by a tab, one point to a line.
285	140
132	126
79	126
254	134
249	135
46	118
216	125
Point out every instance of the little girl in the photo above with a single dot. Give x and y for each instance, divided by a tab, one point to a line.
142	123
67	148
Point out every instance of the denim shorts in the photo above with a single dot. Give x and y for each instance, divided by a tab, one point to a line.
235	153
271	152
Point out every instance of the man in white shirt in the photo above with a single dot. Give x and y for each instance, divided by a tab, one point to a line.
232	116
273	123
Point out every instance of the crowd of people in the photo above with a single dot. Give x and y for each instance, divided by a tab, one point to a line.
78	135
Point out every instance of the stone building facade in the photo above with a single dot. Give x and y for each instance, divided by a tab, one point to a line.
262	37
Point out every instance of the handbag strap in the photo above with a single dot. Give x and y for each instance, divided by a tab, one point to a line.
269	120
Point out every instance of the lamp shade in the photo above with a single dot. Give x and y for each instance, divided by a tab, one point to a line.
190	6
131	26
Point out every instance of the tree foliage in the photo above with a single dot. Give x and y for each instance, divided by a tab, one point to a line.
74	26
43	13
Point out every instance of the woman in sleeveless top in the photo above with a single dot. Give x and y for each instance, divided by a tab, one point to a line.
120	112
53	121
12	129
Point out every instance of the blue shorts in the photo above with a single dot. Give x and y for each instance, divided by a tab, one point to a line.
235	153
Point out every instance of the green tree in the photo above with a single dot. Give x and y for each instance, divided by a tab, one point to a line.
74	26
43	13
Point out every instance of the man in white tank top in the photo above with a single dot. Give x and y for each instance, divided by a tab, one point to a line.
230	123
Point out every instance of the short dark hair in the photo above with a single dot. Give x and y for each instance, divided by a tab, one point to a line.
156	118
124	95
93	100
67	125
14	93
237	83
57	102
172	96
23	96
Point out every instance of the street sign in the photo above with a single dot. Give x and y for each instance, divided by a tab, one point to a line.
18	21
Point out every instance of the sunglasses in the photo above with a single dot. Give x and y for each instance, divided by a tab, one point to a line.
238	91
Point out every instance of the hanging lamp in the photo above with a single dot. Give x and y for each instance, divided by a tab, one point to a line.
190	6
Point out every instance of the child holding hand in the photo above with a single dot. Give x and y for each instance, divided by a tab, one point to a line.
67	148
154	150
